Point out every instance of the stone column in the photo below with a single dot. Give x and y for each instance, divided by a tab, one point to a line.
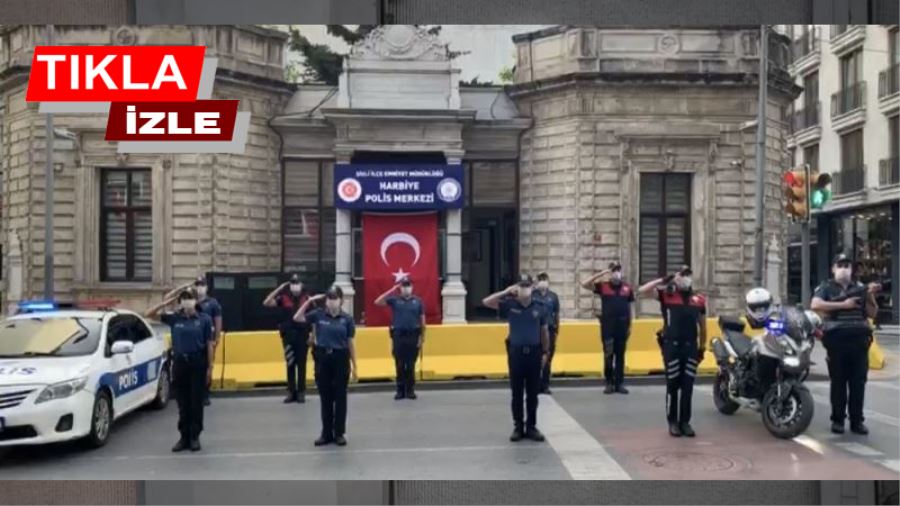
453	293
343	250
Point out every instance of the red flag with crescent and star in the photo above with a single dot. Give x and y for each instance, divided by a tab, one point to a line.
396	246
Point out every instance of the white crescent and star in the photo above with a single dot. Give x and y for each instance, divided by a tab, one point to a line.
402	238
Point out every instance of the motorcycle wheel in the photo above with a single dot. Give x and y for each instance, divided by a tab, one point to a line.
725	405
790	418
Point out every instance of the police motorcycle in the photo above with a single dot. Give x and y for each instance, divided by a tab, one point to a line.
766	373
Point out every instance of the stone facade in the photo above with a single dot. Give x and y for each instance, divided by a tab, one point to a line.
209	212
609	105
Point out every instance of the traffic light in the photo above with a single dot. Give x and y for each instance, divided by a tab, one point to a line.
820	194
795	186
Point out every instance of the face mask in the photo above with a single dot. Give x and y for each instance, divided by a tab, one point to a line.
296	288
333	305
188	304
685	283
842	274
617	277
524	293
543	285
201	291
406	290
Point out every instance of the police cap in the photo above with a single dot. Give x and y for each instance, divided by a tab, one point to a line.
405	281
295	278
841	258
200	281
334	292
614	266
525	280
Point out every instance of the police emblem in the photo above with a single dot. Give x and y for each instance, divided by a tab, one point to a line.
449	190
349	190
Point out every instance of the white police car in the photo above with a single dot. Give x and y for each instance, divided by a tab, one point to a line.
69	373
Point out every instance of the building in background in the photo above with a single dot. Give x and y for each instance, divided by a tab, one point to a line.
610	144
845	123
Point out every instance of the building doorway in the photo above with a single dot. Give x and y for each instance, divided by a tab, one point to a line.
489	256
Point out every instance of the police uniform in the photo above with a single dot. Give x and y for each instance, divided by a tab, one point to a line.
406	328
524	351
191	336
846	337
294	337
332	361
615	325
210	307
682	314
550	300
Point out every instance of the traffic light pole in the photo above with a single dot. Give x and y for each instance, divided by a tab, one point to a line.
761	154
804	241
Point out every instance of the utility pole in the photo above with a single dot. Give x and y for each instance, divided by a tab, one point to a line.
49	183
804	242
758	251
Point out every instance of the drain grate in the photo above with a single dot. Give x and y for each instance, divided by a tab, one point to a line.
691	461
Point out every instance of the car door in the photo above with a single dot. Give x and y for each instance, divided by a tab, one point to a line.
148	356
121	372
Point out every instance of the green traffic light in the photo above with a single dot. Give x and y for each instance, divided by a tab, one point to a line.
819	198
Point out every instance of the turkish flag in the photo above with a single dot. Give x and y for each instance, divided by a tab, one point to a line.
396	246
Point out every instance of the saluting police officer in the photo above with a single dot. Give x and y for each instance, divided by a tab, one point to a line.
407	333
550	300
683	343
335	359
288	297
211	307
616	297
847	338
528	348
192	352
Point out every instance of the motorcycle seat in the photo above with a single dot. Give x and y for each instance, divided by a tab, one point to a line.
741	343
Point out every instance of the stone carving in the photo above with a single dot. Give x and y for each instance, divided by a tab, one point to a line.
122	158
400	42
125	36
669	44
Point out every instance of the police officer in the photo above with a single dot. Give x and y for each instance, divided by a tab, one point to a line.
192	353
528	348
683	343
407	333
288	297
550	300
616	297
847	338
209	306
335	359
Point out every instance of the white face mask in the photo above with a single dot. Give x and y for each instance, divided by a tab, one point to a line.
201	291
543	285
406	290
524	292
333	305
617	276
842	274
188	304
684	283
296	288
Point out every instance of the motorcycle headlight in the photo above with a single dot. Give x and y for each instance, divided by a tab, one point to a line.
61	390
792	361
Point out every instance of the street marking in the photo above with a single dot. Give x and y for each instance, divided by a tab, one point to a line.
810	443
582	455
860	449
868	413
892	464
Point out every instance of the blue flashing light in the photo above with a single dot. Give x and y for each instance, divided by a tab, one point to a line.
775	327
31	306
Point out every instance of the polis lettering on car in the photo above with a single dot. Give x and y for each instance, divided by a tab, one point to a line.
10	371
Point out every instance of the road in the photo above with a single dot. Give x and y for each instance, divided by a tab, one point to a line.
462	434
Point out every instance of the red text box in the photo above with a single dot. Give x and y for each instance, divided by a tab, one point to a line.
203	120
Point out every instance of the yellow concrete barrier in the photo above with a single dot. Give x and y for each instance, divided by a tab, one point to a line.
455	351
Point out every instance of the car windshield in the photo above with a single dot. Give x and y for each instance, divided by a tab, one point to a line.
49	336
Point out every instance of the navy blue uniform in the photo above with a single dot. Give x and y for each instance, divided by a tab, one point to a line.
294	337
682	315
615	326
332	357
406	328
191	336
551	301
847	338
524	353
213	309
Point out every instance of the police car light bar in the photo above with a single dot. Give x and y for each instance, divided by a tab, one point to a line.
31	306
98	304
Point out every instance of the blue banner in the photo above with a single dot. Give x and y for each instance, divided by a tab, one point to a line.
398	187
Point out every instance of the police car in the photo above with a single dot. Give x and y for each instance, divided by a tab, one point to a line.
68	372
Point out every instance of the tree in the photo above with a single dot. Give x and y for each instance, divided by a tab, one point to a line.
322	63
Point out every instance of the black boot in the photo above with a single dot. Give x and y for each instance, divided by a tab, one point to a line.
621	389
195	445
410	394
610	388
323	440
534	435
180	446
837	428
859	428
291	397
340	441
687	430
516	435
674	429
399	395
301	398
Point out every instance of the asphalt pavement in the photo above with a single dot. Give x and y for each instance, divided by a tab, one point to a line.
463	434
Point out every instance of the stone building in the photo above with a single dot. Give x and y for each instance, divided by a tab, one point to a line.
609	144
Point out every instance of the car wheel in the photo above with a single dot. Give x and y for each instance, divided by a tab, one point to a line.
163	389
101	420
